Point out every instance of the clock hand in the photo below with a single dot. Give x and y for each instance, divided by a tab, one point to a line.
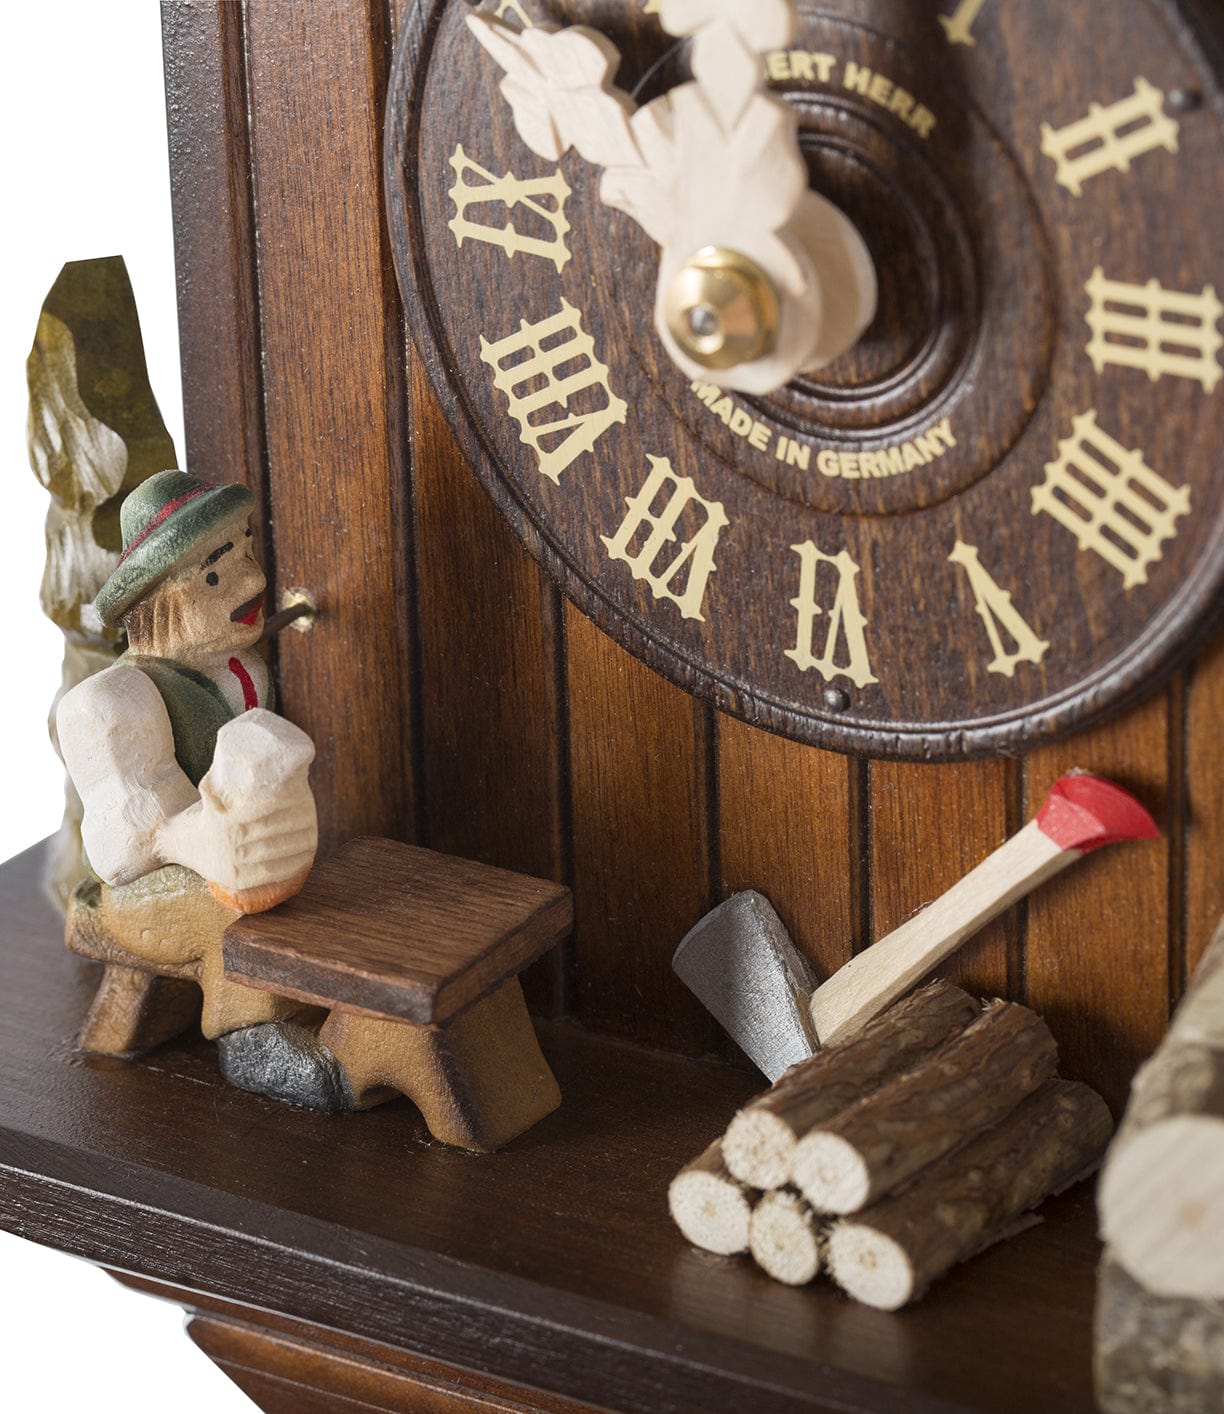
759	278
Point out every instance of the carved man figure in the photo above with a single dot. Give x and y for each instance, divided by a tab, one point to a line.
197	804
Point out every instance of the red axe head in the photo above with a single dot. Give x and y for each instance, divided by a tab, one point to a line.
1084	812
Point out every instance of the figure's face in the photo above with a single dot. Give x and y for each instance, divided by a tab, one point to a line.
214	602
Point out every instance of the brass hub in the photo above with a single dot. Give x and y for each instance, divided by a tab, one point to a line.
722	309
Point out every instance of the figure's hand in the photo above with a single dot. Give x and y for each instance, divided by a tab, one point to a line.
254	831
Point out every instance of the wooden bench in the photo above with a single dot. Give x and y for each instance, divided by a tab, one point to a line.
413	954
416	955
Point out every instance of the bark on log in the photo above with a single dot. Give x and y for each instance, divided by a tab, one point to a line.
709	1206
1162	1191
1155	1354
786	1238
967	1085
760	1142
889	1254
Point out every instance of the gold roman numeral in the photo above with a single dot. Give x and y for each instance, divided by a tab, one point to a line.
999	614
527	366
958	26
1157	330
1109	137
1110	501
707	520
846	620
542	197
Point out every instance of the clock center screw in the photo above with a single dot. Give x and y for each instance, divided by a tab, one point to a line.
722	309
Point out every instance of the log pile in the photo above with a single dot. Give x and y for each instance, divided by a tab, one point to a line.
891	1156
1160	1294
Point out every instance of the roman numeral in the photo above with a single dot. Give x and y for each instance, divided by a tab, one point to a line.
514	7
997	612
1099	141
707	520
958	26
1157	330
1110	501
509	191
527	368
846	621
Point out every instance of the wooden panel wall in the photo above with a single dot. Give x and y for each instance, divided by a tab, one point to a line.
456	700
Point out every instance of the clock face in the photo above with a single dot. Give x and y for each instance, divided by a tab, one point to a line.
992	519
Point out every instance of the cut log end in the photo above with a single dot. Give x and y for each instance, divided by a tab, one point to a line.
831	1173
758	1148
712	1212
784	1238
1162	1206
870	1266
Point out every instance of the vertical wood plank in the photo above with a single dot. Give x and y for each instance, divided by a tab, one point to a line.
214	251
785	816
640	754
492	697
929	826
1204	832
334	399
1097	951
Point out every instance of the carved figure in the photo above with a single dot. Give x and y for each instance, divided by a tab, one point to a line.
197	804
198	810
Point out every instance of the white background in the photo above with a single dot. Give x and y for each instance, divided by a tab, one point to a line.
84	173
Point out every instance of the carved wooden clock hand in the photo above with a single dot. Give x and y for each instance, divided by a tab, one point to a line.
759	277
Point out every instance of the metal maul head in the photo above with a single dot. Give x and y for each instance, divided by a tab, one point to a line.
739	961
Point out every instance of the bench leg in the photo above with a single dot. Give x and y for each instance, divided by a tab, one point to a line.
134	1012
166	925
478	1082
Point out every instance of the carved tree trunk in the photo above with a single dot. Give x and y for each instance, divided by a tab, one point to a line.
1155	1354
1162	1192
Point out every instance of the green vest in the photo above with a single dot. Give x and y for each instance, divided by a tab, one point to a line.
195	705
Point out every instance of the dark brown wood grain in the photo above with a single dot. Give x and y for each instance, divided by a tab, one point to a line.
1203	801
552	1265
640	753
286	1376
389	929
293	1352
1097	951
333	401
214	248
929	826
787	829
492	636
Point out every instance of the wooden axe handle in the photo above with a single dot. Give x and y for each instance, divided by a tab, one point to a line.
1081	813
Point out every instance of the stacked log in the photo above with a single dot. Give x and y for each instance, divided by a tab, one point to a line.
709	1206
888	1158
1160	1297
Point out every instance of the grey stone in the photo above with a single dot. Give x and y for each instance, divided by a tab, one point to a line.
286	1061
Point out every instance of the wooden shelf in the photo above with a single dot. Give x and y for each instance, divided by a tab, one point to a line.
552	1265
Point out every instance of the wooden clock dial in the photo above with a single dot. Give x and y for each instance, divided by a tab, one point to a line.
995	517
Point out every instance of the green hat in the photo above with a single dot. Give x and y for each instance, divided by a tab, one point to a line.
165	520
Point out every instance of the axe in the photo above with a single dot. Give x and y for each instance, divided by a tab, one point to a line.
741	964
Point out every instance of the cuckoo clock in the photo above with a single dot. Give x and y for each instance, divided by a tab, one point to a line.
858	369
